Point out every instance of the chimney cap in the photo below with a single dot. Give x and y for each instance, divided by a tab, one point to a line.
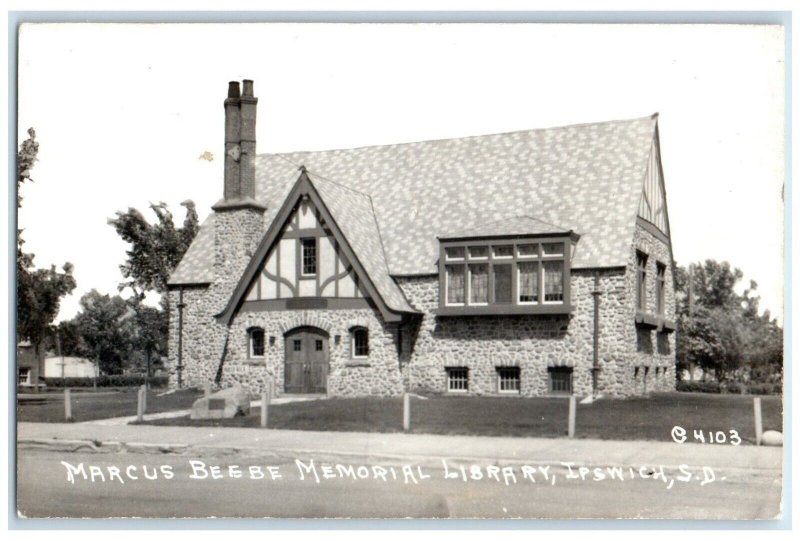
233	89
247	87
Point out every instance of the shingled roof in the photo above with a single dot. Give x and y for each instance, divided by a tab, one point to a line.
586	178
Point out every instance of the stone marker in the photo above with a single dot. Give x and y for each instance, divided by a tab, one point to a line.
223	404
772	437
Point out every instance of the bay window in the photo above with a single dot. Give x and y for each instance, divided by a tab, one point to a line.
521	275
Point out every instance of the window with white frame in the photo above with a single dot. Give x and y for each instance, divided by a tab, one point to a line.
661	281
457	379
360	342
24	377
508	379
256	339
308	256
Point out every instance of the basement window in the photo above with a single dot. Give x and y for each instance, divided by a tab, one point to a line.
508	379
457	379
560	379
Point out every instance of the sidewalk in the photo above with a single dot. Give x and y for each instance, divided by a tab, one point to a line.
416	448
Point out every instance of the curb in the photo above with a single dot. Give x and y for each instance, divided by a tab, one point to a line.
332	456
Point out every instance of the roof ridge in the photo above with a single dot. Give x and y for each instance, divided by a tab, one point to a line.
653	116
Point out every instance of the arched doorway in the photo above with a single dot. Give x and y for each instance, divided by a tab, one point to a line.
306	361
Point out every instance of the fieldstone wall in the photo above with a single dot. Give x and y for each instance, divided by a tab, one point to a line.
535	343
377	374
652	363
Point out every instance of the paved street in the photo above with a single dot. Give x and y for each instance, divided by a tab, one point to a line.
105	487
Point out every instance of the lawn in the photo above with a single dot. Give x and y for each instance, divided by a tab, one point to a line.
88	405
649	418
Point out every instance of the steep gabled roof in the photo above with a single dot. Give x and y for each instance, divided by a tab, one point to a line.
586	178
197	265
348	213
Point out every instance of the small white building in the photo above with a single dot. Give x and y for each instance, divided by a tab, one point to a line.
68	367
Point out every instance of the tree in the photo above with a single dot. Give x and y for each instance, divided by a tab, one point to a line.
155	249
107	327
719	329
39	291
151	336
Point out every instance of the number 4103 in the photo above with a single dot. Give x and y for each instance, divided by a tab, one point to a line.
679	435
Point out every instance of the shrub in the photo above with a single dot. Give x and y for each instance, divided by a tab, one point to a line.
122	380
698	386
733	387
765	388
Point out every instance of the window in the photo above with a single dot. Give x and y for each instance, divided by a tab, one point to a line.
24	376
454	253
505	276
479	284
297	345
560	379
455	284
528	250
501	252
457	379
502	283
318	345
360	340
641	281
309	256
256	342
508	379
661	274
528	282
553	281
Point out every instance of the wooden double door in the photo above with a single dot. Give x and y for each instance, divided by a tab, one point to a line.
306	369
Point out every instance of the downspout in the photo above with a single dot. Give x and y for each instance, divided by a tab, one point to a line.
180	337
596	337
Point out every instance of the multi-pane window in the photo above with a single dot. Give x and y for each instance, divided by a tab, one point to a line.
457	379
309	256
297	345
318	345
24	377
506	272
641	281
455	284
528	282
661	273
256	342
360	342
508	379
560	379
553	281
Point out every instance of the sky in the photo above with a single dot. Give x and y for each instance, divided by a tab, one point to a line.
123	114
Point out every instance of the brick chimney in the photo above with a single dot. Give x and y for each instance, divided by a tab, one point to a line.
239	216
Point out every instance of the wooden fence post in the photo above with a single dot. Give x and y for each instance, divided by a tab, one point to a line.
140	406
264	408
144	398
406	412
757	415
571	423
67	405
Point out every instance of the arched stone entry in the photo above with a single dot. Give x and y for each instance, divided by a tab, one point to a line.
306	360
